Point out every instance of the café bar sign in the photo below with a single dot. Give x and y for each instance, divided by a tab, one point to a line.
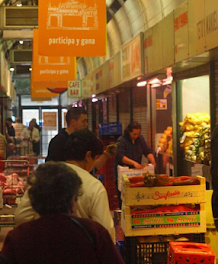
74	89
72	28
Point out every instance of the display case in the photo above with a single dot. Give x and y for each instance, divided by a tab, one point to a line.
194	126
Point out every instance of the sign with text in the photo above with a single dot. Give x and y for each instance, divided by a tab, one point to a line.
72	28
102	78
49	120
148	50
161	104
47	68
115	70
88	86
39	91
168	40
181	32
197	39
131	58
210	24
74	89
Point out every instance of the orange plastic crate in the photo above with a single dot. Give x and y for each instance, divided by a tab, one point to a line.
190	253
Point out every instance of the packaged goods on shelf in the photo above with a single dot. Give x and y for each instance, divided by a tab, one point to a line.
196	137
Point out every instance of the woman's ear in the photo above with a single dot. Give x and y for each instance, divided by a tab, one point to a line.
88	155
73	206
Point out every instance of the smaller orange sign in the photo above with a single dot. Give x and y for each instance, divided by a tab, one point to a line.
51	68
49	120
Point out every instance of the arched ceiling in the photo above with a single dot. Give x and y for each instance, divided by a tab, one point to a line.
126	19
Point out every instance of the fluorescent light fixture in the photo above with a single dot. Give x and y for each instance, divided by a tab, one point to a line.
19	5
21	42
94	95
11	69
154	81
94	100
141	84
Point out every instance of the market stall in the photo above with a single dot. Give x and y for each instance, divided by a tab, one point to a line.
158	209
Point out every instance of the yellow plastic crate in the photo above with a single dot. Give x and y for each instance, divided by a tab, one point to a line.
129	231
163	195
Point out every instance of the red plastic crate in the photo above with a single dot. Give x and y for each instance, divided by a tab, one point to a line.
190	253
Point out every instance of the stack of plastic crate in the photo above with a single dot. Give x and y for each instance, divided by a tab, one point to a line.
147	236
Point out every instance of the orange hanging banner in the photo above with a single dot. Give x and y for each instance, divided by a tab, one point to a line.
47	68
72	28
39	90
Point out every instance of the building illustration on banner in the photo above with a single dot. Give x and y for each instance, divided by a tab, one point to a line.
72	15
45	60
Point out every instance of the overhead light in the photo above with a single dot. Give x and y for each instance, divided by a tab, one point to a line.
19	5
94	95
154	81
94	100
11	69
141	84
21	42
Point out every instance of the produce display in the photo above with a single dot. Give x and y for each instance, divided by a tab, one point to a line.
165	142
150	180
196	137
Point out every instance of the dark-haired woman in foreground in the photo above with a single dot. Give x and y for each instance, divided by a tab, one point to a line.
58	236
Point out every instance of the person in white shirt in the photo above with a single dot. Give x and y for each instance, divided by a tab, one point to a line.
82	149
30	136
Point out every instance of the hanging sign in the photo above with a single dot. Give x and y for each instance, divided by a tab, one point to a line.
74	89
46	89
181	32
47	68
131	58
39	90
49	120
72	28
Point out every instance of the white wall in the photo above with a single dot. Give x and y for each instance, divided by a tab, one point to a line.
195	95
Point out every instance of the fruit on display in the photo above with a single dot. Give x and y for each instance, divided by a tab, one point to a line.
165	142
151	180
196	137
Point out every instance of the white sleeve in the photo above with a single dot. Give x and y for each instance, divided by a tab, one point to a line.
24	212
35	134
101	213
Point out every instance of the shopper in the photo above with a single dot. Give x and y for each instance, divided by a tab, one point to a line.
131	148
10	136
82	149
30	137
76	119
58	236
36	144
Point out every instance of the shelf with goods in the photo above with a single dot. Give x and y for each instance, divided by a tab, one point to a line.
153	216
